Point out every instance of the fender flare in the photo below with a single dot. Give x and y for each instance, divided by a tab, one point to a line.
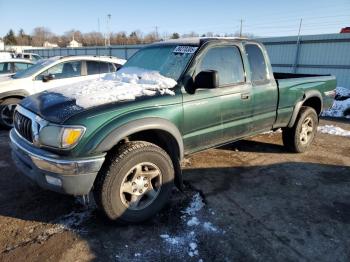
306	96
119	133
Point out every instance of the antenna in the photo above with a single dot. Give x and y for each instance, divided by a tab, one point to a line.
241	29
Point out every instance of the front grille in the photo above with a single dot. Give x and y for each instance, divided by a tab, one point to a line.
23	126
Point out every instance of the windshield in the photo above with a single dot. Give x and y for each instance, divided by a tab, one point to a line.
34	68
168	60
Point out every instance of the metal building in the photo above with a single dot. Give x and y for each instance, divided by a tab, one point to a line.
310	54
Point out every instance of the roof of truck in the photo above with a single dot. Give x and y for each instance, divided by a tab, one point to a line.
200	40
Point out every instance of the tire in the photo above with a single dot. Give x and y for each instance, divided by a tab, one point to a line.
7	108
126	175
299	137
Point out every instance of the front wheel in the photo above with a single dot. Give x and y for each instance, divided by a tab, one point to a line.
7	109
299	137
135	182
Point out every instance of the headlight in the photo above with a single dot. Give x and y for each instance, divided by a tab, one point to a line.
60	136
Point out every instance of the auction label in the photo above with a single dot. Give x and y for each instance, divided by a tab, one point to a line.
185	49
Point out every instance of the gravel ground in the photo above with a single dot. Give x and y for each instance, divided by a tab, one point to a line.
250	200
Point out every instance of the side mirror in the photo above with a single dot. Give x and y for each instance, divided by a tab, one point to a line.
207	79
47	78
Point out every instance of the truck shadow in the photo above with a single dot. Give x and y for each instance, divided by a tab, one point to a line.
255	146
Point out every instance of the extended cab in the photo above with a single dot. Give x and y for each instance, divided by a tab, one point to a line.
124	137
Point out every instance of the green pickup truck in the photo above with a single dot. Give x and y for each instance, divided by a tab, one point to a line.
124	137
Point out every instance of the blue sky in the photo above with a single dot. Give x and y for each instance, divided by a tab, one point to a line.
261	18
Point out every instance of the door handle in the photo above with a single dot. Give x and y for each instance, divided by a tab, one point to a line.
245	96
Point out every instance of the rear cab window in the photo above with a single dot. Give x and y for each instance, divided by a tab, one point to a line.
227	61
258	67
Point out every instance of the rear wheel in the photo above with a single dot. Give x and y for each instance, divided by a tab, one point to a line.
135	182
7	109
299	137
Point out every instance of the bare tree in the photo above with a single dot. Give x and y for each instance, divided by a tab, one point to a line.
40	35
93	38
22	38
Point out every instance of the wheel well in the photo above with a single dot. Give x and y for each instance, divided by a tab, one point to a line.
164	140
160	138
315	103
9	97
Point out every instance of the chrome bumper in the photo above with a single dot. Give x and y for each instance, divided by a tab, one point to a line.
70	176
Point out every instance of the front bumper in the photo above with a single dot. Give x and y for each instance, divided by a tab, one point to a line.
53	172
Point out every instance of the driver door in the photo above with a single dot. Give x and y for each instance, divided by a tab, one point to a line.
216	116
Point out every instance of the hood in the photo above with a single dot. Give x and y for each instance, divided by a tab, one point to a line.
128	84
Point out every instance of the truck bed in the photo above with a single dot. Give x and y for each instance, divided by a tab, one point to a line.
292	88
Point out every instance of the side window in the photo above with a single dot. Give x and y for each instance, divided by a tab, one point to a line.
26	56
93	67
227	61
21	66
258	68
104	68
97	67
63	70
5	68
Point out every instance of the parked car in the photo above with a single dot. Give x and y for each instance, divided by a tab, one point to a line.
9	67
47	74
345	30
6	55
124	138
30	56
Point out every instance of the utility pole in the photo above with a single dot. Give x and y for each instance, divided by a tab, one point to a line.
98	29
156	30
109	16
241	29
298	48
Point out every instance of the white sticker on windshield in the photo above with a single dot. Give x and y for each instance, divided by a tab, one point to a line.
185	49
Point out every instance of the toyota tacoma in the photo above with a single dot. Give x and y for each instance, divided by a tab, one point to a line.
124	137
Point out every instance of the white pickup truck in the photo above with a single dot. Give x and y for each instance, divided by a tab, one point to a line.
46	74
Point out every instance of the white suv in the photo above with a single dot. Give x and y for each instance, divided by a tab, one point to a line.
30	56
46	74
9	67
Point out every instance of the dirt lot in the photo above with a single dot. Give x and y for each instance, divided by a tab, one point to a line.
249	201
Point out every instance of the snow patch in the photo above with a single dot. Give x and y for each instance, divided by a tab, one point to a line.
333	130
340	105
125	85
196	205
342	92
338	109
188	239
193	222
193	250
172	240
209	227
279	130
